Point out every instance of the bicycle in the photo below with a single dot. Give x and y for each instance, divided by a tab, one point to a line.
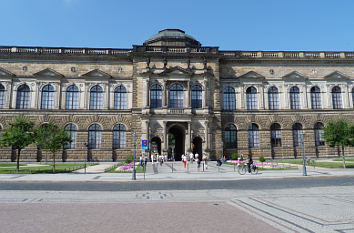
243	168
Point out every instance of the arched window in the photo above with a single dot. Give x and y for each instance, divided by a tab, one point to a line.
297	132
294	98
229	98
71	130
319	134
2	96
231	137
120	97
72	97
275	135
196	96
316	98
251	98
119	136
155	96
23	97
47	100
273	98
176	96
336	98
94	140
253	136
96	97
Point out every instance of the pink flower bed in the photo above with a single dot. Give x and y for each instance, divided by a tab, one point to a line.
126	167
265	165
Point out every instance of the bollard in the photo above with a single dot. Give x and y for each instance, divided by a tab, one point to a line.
203	167
187	167
172	167
234	167
144	170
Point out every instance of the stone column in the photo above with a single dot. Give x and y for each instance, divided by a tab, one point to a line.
189	94
188	139
38	95
206	145
164	144
164	95
205	93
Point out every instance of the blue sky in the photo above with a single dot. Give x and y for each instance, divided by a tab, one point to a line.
231	25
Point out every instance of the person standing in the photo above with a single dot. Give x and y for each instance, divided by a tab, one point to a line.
196	158
191	157
184	159
152	158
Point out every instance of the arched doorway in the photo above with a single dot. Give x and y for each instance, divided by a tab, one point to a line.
197	146
156	145
176	142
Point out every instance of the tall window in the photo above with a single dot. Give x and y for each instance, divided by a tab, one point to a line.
72	97
119	136
94	140
196	96
176	96
319	134
294	98
47	100
336	98
229	98
156	96
315	98
275	135
251	98
297	131
2	96
71	130
273	98
253	136
120	97
231	136
23	97
96	97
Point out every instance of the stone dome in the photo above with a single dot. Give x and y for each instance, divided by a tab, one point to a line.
172	37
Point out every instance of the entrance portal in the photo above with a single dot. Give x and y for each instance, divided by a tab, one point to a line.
176	142
198	146
156	145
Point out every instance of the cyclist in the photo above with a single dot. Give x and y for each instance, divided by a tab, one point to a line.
249	163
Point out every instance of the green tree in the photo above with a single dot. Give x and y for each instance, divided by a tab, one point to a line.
52	138
337	133
19	135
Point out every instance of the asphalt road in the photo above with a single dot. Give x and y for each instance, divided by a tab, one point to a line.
255	184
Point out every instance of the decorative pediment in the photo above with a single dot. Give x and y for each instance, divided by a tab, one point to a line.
176	70
252	76
48	73
5	73
293	76
97	74
336	75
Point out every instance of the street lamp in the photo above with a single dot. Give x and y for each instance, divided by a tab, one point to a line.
304	173
134	172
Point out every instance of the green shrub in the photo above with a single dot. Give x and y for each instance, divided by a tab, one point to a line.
262	159
234	156
129	159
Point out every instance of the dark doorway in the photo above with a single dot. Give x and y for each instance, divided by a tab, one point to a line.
176	142
198	146
156	145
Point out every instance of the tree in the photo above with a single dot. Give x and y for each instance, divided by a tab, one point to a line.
19	135
338	133
52	138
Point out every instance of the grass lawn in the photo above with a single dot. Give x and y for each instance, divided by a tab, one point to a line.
346	159
42	167
318	163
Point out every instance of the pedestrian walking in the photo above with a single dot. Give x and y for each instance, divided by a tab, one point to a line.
152	158
205	159
184	159
196	158
141	161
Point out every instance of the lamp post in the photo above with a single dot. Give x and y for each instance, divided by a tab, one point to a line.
304	173
134	172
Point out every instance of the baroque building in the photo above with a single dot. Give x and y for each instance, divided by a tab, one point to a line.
179	95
